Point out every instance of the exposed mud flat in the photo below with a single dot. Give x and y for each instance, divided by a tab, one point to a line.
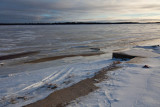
63	56
18	55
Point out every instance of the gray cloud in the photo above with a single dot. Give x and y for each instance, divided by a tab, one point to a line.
69	10
153	7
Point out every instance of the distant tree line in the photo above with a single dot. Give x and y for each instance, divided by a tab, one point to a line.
77	23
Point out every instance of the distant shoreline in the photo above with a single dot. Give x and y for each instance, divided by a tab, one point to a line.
79	23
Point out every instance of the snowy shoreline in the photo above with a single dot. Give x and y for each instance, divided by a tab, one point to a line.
136	84
22	88
22	92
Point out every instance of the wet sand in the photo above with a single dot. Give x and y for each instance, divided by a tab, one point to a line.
45	59
64	96
18	55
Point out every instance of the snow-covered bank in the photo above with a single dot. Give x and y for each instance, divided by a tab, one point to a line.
132	86
26	87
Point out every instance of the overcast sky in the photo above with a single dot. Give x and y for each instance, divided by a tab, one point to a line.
79	10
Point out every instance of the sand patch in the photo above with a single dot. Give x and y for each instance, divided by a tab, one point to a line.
62	97
63	56
18	55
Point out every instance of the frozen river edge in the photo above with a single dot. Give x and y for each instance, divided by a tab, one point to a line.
110	96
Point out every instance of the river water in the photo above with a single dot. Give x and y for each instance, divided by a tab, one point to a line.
60	40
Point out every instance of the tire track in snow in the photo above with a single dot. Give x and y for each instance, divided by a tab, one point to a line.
56	76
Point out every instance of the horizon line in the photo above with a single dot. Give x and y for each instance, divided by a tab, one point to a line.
74	23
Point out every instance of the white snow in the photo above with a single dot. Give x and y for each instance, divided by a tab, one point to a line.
131	86
33	84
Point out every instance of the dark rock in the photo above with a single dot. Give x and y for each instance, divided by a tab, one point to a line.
1	64
155	46
24	98
52	86
120	55
146	66
95	49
